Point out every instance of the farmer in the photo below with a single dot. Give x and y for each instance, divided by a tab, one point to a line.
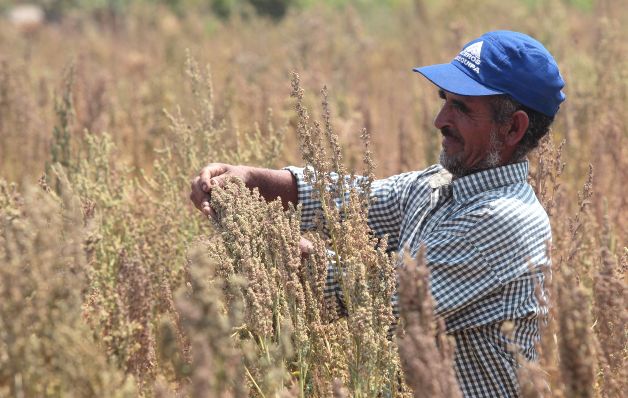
484	231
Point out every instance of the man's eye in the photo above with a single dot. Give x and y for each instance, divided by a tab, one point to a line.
457	105
460	107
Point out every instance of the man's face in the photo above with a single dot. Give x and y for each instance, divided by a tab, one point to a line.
471	140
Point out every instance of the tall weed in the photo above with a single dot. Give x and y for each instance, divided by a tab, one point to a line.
113	285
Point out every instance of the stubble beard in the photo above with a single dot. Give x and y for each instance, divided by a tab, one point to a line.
455	164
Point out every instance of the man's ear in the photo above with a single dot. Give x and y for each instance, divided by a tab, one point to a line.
518	126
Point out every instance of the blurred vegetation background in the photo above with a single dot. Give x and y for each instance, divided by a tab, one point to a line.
121	64
127	59
114	105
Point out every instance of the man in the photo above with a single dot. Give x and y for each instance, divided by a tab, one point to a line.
484	231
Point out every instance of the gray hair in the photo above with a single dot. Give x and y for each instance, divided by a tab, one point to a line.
503	106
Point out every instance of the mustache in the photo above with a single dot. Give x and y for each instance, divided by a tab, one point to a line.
449	132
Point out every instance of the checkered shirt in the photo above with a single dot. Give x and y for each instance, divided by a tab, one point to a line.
485	237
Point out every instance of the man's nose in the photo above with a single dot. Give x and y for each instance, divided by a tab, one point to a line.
442	118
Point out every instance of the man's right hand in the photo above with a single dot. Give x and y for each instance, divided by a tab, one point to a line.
212	176
272	184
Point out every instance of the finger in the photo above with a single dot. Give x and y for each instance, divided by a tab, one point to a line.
207	174
218	181
194	188
306	247
207	186
197	197
194	197
205	207
198	202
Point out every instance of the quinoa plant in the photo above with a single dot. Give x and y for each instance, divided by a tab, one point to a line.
111	284
360	264
46	348
283	294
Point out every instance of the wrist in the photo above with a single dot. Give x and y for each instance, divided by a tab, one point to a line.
249	175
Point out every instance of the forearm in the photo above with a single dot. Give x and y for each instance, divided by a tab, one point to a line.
273	184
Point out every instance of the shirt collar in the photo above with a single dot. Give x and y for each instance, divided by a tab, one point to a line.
486	180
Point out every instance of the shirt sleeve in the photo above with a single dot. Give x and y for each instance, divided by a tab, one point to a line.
388	203
388	198
310	205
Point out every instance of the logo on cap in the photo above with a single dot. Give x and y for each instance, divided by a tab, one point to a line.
470	56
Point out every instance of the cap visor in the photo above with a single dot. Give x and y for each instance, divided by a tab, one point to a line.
450	78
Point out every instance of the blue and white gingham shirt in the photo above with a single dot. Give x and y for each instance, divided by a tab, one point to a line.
485	237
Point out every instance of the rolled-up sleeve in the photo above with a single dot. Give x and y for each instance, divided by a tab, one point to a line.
310	204
388	197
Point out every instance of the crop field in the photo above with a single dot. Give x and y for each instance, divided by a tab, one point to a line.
113	285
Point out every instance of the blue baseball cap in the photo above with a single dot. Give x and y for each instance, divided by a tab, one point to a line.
503	62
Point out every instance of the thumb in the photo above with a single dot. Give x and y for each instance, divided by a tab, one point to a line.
306	246
213	182
208	173
218	181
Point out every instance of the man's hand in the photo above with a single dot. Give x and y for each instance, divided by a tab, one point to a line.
306	247
212	176
272	184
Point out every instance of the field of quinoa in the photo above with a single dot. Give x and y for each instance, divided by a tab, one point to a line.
113	285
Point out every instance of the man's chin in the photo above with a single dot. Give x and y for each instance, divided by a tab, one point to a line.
452	164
